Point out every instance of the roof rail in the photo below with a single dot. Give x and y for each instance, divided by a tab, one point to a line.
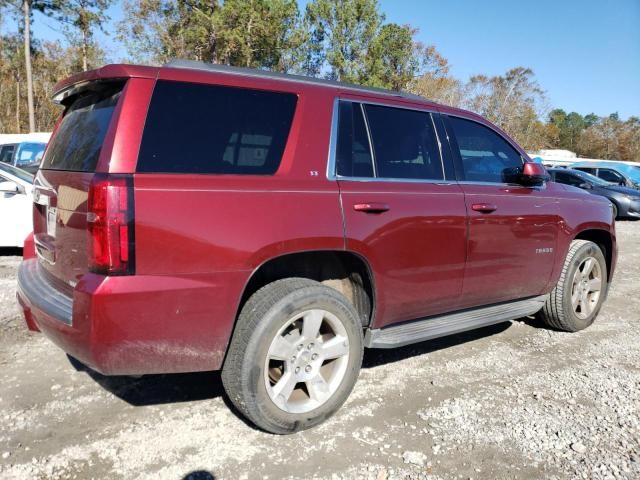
251	72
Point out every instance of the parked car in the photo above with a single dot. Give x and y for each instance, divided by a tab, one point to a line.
625	200
615	173
16	206
199	217
24	155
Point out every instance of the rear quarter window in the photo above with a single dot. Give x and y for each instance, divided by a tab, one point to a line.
212	129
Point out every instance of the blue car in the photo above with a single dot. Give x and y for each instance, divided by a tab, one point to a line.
616	173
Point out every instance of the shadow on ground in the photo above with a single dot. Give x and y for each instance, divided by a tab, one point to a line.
157	389
199	475
10	252
189	387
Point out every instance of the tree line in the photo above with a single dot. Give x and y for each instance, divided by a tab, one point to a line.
346	40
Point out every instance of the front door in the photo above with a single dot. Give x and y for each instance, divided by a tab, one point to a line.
512	228
400	212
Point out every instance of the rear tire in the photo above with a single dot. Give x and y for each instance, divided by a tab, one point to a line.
294	356
575	301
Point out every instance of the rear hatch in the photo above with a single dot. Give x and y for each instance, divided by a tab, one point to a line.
61	187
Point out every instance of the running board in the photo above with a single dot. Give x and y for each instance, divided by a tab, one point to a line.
442	325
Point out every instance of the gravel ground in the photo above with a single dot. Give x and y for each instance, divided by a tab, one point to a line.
511	401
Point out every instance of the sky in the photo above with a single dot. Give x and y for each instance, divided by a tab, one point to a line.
585	53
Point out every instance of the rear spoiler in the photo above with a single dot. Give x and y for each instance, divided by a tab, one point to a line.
82	81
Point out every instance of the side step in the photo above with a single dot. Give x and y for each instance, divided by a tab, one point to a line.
442	325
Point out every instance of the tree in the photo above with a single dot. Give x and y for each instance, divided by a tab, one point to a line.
82	18
434	81
25	9
50	63
253	33
343	32
514	101
258	33
391	61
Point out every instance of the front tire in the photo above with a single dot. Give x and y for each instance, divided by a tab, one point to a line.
294	356
577	298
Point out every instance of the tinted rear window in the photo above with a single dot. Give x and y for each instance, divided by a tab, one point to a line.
77	143
194	128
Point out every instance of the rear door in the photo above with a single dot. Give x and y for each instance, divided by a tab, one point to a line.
512	228
61	185
401	212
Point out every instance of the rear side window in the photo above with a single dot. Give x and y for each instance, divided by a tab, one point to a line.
485	155
6	153
194	128
77	143
353	156
404	144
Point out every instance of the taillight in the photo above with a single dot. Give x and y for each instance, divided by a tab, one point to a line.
110	225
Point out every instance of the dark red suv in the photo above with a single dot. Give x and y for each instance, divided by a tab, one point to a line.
196	217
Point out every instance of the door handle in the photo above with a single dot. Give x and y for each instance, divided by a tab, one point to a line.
484	207
371	207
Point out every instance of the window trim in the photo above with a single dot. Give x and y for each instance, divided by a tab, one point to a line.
333	145
457	160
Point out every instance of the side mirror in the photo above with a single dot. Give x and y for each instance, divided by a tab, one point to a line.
533	175
586	186
9	187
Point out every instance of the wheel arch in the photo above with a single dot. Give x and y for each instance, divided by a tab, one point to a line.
605	241
346	271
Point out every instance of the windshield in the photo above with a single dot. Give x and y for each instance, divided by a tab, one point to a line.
632	171
16	172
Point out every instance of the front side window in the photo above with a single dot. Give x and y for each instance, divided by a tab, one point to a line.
610	176
485	155
404	144
213	129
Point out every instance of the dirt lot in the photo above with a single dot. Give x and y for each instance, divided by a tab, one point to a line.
511	401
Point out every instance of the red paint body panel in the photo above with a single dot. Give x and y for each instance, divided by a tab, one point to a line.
416	249
511	250
200	238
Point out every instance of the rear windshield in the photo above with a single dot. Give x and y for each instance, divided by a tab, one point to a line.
194	128
78	140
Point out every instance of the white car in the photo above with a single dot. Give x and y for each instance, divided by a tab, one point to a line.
16	204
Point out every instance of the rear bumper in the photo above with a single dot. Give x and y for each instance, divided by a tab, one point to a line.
134	325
